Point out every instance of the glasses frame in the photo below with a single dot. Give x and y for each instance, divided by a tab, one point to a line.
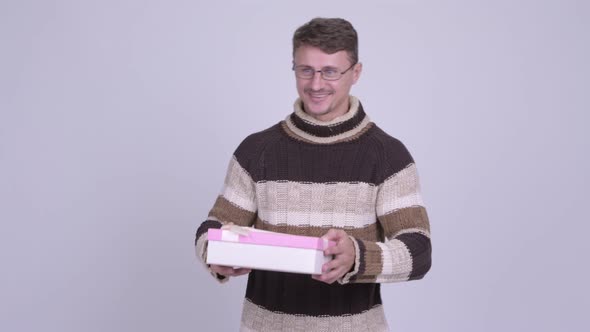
320	71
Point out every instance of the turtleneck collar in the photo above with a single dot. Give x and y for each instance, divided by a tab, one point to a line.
343	128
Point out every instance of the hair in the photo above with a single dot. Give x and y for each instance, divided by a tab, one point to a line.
329	35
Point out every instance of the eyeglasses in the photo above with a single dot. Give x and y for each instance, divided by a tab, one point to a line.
328	73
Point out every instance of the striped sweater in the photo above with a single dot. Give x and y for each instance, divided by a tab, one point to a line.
303	177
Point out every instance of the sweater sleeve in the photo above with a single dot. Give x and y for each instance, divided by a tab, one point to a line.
236	204
405	250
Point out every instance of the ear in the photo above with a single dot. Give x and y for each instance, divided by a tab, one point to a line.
356	72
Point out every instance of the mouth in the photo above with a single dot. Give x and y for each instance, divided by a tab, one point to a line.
318	96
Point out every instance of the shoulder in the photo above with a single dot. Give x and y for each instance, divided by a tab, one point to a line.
254	144
259	139
392	154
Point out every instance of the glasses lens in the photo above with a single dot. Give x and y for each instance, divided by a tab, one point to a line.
330	73
304	72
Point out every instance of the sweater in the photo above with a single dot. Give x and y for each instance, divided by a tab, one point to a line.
303	177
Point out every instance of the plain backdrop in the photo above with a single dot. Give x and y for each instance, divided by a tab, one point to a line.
118	120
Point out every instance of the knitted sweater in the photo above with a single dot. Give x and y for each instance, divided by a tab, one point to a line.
303	177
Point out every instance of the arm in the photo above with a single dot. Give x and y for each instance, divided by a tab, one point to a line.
235	204
405	253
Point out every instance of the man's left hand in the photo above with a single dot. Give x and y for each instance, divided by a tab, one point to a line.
343	260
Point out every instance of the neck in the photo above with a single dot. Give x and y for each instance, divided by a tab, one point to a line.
348	126
340	110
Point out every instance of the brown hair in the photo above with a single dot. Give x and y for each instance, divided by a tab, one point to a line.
329	35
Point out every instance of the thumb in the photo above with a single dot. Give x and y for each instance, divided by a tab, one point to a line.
333	235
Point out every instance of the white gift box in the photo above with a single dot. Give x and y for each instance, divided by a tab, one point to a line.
262	250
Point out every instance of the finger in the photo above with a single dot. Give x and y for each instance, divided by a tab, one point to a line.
341	248
240	271
333	275
326	278
223	270
344	246
228	271
344	261
333	234
331	265
334	250
338	236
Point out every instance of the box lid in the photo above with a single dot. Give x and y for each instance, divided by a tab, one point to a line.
255	236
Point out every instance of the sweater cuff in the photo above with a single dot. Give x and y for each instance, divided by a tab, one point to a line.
357	262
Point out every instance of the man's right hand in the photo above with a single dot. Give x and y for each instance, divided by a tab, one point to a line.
229	271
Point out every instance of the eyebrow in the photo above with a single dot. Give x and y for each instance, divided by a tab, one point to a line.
325	67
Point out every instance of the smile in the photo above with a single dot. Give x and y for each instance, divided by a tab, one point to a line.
319	95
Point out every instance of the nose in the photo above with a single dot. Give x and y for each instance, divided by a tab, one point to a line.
317	82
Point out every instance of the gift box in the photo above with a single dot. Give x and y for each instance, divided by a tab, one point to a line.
263	250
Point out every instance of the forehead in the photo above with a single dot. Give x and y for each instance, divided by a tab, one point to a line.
313	56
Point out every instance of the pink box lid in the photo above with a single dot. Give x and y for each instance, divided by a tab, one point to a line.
274	239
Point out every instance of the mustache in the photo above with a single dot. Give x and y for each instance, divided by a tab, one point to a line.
321	91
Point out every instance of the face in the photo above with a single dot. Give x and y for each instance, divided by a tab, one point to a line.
325	100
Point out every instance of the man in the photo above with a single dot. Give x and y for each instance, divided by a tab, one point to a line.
326	170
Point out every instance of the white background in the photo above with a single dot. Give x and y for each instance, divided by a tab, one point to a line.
118	119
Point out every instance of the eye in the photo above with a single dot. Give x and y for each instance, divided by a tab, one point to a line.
329	71
306	70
